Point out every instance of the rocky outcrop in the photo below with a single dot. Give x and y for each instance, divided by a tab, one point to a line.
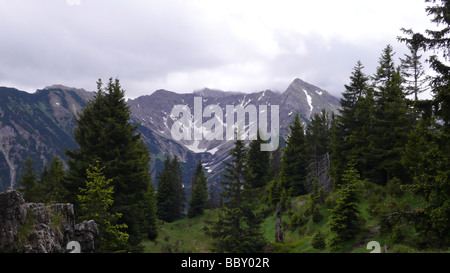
37	228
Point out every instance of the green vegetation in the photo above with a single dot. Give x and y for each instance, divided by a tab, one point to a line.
95	201
190	235
105	134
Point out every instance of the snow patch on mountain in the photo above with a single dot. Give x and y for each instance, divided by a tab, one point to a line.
308	97
194	147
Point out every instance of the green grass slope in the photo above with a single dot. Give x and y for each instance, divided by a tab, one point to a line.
300	225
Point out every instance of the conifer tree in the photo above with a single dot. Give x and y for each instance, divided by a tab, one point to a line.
166	194
392	120
438	41
318	138
345	217
274	192
275	162
352	131
104	133
293	164
258	164
237	229
170	196
426	156
199	197
28	182
150	223
361	139
413	71
429	165
177	180
54	182
95	202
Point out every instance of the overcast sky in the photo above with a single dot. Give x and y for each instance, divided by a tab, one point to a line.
185	45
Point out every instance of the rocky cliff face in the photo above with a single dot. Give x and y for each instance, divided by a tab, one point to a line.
36	228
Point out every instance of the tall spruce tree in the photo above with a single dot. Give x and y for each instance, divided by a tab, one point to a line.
104	133
318	138
392	120
428	149
28	182
237	229
177	178
199	197
54	182
165	195
345	218
150	224
352	129
170	198
360	142
258	164
293	163
413	71
429	165
439	42
275	162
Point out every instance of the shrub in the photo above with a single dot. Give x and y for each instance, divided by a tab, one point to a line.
316	215
393	187
318	241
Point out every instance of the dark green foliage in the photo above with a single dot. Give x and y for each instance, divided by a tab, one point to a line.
170	192
104	133
237	229
293	164
275	162
360	141
375	196
438	42
427	158
428	148
413	71
177	179
318	241
318	140
199	197
391	213
345	219
95	202
316	215
350	130
394	187
28	182
150	223
258	164
392	121
274	192
53	183
318	135
318	194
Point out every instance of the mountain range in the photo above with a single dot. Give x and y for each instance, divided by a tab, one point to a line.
40	125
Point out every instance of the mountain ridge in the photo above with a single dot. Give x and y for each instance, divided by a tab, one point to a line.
41	124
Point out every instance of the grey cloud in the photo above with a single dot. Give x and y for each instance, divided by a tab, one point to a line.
49	42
